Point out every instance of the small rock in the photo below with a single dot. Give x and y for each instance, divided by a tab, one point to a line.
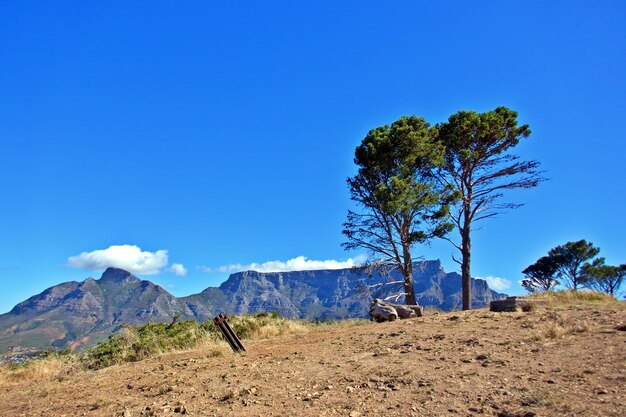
482	357
354	414
601	391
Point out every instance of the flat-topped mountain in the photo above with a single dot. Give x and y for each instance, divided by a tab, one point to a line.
75	314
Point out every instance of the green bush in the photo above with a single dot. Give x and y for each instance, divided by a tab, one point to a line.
134	343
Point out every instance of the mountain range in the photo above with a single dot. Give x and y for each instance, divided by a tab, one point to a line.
77	314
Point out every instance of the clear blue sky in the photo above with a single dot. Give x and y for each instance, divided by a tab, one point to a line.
223	132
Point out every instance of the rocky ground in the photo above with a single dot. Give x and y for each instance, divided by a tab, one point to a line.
568	361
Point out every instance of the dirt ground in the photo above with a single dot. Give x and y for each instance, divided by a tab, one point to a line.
550	362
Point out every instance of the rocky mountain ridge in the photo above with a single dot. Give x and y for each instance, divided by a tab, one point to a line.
75	314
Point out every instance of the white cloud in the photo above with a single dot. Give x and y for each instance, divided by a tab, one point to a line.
128	257
497	283
179	270
300	263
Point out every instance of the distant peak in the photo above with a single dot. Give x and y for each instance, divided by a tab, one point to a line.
118	275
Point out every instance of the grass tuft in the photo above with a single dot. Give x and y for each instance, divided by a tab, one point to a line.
556	326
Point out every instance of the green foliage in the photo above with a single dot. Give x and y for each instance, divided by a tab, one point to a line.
570	258
134	343
569	263
479	168
603	278
402	202
540	276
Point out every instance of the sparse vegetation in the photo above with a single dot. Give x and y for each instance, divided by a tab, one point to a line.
571	297
134	343
556	326
50	365
330	364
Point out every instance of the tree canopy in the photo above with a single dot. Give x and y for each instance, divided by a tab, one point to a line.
603	278
574	263
570	258
479	167
541	276
400	202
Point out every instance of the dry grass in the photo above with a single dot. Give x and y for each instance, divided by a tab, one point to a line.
473	365
336	324
529	307
43	369
577	298
432	310
556	326
134	343
263	326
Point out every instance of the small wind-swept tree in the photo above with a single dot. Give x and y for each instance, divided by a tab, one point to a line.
603	278
570	258
480	168
400	202
541	276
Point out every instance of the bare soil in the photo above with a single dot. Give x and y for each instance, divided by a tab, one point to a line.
568	361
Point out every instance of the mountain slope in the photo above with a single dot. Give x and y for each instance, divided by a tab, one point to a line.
75	314
334	294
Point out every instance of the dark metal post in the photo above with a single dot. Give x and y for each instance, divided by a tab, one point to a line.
228	333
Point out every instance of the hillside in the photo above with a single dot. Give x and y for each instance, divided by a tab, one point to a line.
77	314
559	361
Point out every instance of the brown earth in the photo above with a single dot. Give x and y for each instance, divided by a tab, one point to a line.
550	362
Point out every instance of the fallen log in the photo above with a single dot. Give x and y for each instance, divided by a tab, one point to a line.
406	311
383	311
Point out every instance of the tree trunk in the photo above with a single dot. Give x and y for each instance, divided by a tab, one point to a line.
408	283
466	246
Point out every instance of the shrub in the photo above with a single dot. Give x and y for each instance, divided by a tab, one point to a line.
134	343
